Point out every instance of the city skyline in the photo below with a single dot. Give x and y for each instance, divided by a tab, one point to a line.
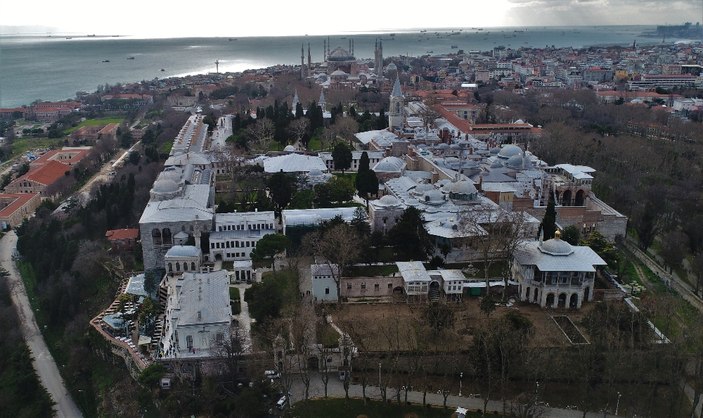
158	19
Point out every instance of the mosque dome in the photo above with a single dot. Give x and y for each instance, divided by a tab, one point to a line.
556	246
315	172
391	67
514	162
165	186
338	73
433	197
340	54
388	201
494	151
509	150
289	148
389	165
462	187
496	164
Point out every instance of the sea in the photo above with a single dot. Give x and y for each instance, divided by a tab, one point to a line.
44	67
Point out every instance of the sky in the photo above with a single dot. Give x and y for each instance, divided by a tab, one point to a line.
160	18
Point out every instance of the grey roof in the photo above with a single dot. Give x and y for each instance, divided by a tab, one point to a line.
579	172
246	233
311	217
183	251
323	270
135	286
582	258
204	298
294	163
413	271
396	88
193	205
367	136
239	217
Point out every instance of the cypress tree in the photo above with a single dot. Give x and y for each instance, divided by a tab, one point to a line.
549	223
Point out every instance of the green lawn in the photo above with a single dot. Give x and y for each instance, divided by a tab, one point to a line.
353	408
95	122
372	271
22	145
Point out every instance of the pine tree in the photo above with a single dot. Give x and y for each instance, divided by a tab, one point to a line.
549	223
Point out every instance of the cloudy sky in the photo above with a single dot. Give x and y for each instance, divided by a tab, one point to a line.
160	18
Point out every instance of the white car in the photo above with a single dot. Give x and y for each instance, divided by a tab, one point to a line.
272	374
281	404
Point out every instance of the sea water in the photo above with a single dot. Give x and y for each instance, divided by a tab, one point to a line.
56	67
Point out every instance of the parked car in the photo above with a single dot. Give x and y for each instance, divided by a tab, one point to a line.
272	374
282	402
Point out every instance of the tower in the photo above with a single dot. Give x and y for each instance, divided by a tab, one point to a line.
397	102
309	59
378	58
302	61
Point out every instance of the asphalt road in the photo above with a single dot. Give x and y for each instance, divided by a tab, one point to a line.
42	360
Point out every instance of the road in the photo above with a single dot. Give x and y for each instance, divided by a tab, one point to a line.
335	389
42	360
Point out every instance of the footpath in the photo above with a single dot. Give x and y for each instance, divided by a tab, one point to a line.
335	389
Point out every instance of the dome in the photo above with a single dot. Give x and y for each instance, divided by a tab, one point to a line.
433	197
423	187
556	246
497	164
165	186
388	200
464	187
289	148
515	161
315	172
183	251
339	73
495	151
389	165
442	146
509	150
340	54
391	67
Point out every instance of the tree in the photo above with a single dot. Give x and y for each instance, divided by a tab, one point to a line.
571	235
281	187
338	245
409	237
673	249
299	128
549	222
268	246
342	156
366	180
261	134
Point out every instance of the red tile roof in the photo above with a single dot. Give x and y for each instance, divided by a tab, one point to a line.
20	199
48	173
122	234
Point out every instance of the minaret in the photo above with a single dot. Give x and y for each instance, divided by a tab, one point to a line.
378	58
395	113
309	59
302	61
324	50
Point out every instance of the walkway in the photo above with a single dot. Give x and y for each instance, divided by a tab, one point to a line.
42	361
335	389
244	318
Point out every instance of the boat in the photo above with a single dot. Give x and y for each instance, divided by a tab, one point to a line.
163	69
130	58
455	46
106	60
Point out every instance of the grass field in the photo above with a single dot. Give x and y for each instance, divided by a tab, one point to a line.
355	408
22	145
95	122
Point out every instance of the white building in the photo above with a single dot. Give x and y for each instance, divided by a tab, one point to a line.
236	234
555	274
416	280
182	259
197	316
324	287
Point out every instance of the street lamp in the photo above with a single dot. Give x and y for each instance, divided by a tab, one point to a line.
461	377
617	405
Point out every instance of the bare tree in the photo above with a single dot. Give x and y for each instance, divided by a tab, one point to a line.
303	336
261	134
298	128
339	246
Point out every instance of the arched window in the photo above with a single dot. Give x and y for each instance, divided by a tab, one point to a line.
192	266
170	267
185	266
166	236
156	236
178	266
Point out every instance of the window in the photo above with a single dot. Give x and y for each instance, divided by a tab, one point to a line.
363	285
189	342
390	285
376	287
349	286
327	291
219	338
